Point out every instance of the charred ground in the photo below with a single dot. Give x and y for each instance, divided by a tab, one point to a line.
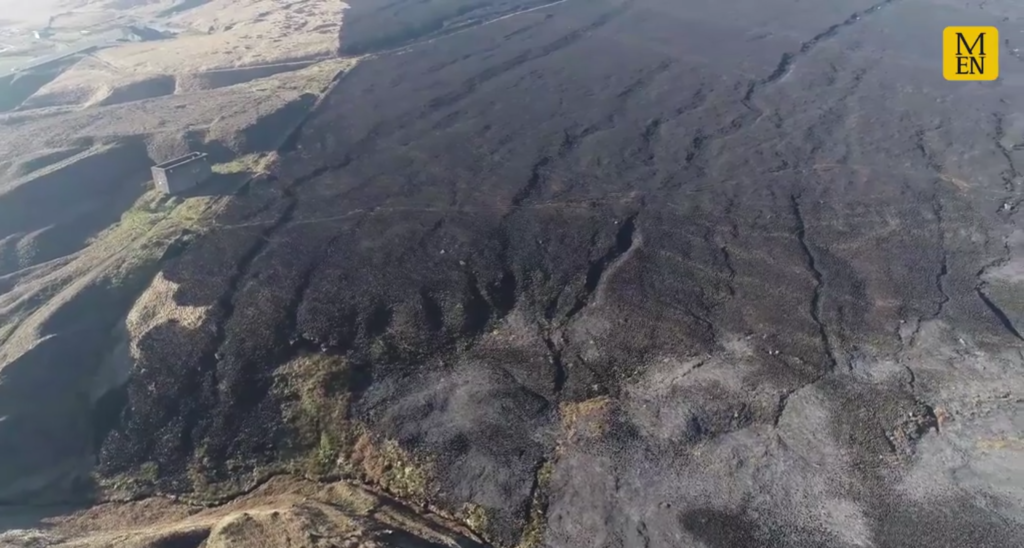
619	273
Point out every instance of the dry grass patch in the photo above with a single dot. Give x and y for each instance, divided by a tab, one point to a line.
588	418
313	390
475	517
155	216
314	393
149	227
156	306
1009	443
233	33
284	511
390	467
536	524
250	163
350	498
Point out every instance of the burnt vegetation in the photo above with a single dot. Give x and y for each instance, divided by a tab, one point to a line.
490	227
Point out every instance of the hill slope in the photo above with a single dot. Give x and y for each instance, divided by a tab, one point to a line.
756	294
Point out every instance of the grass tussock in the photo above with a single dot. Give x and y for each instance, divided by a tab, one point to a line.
155	213
252	164
385	464
149	227
314	393
588	418
475	517
350	498
536	519
1001	444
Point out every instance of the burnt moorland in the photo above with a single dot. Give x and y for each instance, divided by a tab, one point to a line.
622	273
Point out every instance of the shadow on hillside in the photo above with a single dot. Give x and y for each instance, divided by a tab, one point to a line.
220	184
34	517
56	210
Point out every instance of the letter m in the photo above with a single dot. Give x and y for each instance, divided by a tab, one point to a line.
961	44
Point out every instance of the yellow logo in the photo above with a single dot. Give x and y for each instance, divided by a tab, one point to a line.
970	53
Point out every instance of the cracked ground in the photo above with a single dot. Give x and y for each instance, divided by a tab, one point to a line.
628	273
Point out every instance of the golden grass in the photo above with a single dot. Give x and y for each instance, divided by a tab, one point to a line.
475	517
157	306
351	499
536	524
588	417
233	33
253	164
313	389
1008	443
314	392
390	467
284	511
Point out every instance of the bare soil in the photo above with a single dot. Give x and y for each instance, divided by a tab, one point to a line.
282	512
